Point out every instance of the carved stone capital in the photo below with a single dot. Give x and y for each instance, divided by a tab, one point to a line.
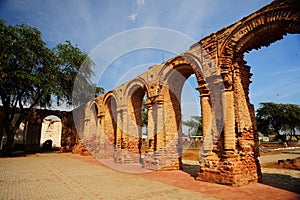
153	90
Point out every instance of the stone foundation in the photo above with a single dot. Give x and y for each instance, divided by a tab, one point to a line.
234	168
124	157
228	172
160	162
165	159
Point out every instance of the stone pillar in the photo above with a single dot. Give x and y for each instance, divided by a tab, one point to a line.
229	123
159	125
86	133
101	136
206	123
242	81
119	135
124	126
150	124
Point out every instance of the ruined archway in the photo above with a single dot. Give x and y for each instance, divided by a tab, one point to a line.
91	128
228	45
51	132
109	126
230	149
172	77
133	135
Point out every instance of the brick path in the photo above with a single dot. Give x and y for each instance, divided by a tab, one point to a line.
68	176
64	176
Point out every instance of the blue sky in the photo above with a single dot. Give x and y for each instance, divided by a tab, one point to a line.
89	23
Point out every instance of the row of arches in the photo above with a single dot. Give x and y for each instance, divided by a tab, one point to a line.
139	111
223	80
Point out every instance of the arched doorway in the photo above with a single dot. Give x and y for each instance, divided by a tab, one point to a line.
176	73
192	134
109	127
51	133
91	132
136	135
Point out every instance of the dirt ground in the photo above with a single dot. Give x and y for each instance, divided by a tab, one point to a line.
191	154
266	149
293	164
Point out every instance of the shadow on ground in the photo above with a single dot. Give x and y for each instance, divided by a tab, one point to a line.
191	169
24	153
282	181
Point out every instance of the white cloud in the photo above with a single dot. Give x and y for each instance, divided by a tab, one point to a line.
140	3
132	16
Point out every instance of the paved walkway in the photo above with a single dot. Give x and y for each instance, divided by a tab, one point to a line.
64	176
68	176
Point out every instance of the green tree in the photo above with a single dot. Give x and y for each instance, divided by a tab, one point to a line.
74	80
28	75
276	118
194	125
32	75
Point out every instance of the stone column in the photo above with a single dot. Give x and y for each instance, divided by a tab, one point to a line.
101	135
206	123
150	128
119	134
159	125
229	123
86	132
125	129
242	81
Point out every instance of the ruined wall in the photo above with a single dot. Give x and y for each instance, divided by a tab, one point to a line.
230	147
239	164
51	130
68	135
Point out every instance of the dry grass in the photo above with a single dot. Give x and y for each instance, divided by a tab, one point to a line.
191	154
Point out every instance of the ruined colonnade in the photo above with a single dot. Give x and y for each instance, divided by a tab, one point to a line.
230	149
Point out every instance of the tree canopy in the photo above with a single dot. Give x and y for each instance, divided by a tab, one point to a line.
32	75
276	118
194	125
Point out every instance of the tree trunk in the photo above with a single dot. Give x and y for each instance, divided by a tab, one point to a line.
1	132
7	148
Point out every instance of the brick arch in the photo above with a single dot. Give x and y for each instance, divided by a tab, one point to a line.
186	59
90	134
43	130
107	96
134	92
192	64
262	28
68	134
46	113
109	117
268	25
172	78
228	45
131	86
